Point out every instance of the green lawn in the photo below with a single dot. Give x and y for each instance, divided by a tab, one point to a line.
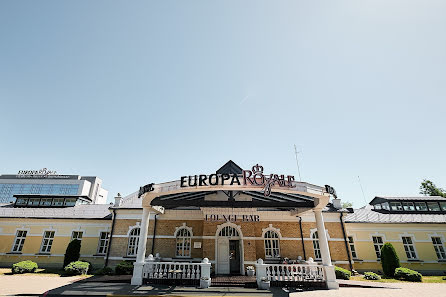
426	279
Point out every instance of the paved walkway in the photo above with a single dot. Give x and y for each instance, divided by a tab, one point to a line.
31	285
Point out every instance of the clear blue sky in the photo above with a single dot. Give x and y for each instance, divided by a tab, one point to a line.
147	91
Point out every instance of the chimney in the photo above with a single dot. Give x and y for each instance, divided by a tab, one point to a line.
118	199
336	203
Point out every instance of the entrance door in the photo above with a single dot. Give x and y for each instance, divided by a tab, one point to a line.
234	257
223	255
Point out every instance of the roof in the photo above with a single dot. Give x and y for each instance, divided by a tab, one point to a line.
380	199
83	211
230	168
367	215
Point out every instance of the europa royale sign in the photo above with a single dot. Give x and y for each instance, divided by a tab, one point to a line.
250	178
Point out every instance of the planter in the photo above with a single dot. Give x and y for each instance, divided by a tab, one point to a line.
264	285
250	272
205	283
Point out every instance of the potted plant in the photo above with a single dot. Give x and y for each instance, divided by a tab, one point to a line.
250	271
264	283
205	282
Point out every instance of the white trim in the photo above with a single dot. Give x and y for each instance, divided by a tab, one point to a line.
15	238
43	239
270	228
184	238
412	238
241	247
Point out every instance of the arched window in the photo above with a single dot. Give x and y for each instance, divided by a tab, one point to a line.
272	249
228	231
316	247
183	238
132	247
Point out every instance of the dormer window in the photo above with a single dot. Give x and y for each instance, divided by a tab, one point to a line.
396	206
408	206
377	206
385	206
443	206
420	206
433	206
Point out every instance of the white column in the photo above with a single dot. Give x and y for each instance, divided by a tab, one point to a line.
142	244
330	275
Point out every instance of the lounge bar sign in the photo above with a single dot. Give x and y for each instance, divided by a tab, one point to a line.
254	177
232	217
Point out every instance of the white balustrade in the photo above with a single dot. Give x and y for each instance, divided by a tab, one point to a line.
176	270
310	272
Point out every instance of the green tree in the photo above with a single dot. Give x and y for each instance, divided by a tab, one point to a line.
72	253
389	259
347	204
429	188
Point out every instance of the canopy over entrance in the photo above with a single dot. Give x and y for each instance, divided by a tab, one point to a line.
234	187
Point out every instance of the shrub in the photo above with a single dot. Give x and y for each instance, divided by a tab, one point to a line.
408	274
371	276
24	267
72	253
125	267
77	268
105	271
342	273
389	259
90	267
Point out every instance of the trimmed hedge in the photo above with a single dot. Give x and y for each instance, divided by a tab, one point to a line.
77	268
72	252
389	259
24	267
342	273
105	271
371	276
408	275
124	268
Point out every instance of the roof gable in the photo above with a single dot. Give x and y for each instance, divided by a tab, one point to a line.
230	168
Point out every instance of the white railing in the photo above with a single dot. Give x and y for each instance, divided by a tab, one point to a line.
294	272
176	270
309	272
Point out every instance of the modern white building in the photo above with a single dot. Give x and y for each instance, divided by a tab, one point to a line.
45	182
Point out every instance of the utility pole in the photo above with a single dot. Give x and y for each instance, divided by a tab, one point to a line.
297	162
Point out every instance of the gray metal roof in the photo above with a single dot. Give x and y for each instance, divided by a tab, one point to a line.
366	215
83	211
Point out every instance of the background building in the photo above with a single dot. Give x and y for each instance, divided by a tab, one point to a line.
44	182
416	227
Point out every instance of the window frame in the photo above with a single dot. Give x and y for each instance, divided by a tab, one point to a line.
398	206
429	204
419	205
408	206
133	241
103	243
409	247
316	246
81	232
378	245
48	246
21	240
351	244
183	238
272	244
440	251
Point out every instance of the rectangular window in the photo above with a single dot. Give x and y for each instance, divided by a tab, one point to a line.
385	206
47	241
34	201
377	206
316	246
420	206
19	241
70	201
408	206
396	206
351	243
76	235
46	201
433	206
409	248
21	201
439	248
377	244
58	202
443	206
104	239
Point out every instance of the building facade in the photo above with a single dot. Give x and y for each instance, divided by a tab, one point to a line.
416	227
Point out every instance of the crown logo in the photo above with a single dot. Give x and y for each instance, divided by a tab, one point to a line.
257	169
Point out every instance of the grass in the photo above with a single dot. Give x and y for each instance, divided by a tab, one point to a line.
50	272
426	279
